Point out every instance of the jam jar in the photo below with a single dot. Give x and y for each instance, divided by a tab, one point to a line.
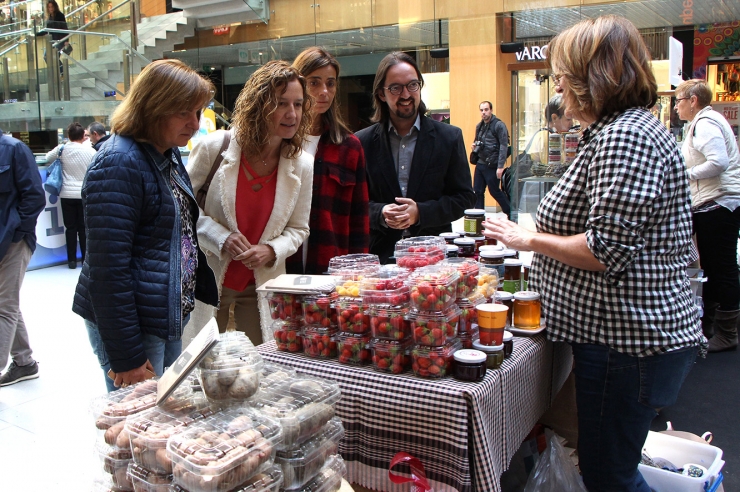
494	354
511	253
449	237
507	299
479	241
527	310
466	247
452	251
508	344
470	365
473	221
493	259
512	275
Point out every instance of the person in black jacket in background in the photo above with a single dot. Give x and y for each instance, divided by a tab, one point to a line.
143	269
491	143
417	168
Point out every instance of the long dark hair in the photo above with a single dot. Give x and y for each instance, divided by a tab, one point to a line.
382	113
310	60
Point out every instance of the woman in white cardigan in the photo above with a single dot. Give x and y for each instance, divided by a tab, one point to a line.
259	200
76	158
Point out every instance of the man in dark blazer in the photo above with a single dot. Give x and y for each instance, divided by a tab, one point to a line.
417	168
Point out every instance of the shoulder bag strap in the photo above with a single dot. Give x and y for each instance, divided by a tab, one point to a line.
203	191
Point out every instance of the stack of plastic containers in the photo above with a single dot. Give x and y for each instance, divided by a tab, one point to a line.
320	325
353	315
386	296
305	407
434	318
420	251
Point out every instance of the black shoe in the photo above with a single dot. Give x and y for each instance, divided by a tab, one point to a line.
16	373
72	265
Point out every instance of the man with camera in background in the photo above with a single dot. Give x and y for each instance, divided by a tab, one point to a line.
490	147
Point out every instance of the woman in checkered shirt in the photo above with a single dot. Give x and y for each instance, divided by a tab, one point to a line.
611	250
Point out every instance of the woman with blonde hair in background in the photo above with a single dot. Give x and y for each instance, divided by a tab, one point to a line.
713	164
143	269
339	221
257	207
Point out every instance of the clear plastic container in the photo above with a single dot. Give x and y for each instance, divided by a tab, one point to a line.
488	281
433	288
115	462
434	329
145	480
386	286
149	431
285	306
433	362
353	349
468	314
304	462
302	405
352	316
318	310
329	478
319	342
468	270
231	371
390	322
110	410
288	336
223	451
391	356
420	251
273	374
269	478
349	264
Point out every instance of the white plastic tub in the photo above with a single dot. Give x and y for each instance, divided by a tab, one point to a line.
680	452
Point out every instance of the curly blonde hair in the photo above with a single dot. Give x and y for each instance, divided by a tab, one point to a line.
258	100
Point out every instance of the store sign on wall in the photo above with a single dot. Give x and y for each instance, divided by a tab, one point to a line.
221	30
532	53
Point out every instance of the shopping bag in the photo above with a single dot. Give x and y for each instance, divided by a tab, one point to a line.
53	182
418	476
554	471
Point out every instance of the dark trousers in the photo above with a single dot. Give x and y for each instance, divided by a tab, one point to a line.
617	397
716	238
74	222
486	176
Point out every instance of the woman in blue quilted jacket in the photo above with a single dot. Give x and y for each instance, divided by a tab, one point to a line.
143	268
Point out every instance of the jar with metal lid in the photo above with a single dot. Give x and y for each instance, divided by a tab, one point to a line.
494	354
508	344
479	241
452	251
527	310
512	275
473	221
493	259
507	299
466	247
470	365
449	237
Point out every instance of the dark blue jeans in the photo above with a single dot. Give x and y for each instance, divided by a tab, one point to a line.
617	397
486	176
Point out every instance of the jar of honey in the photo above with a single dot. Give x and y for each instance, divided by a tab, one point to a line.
527	310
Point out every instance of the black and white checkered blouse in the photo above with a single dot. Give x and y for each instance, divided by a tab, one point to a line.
627	190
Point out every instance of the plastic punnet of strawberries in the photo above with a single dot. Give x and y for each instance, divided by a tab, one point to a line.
285	306
391	356
353	349
386	286
433	288
318	310
433	362
352	316
288	337
434	329
390	322
320	342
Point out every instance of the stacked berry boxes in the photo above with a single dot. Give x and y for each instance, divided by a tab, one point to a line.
434	319
386	296
468	296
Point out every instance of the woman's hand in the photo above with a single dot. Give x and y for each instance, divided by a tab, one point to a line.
510	233
257	256
236	244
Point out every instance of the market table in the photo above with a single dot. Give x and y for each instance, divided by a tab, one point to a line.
465	434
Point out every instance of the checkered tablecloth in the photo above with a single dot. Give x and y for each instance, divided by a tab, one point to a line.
464	433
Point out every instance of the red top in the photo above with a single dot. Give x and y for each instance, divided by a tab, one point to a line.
253	209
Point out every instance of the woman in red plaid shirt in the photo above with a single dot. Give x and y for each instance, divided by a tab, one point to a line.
339	220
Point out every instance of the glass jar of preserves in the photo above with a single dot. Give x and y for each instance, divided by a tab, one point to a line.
479	241
527	310
473	221
507	299
452	251
511	253
508	344
470	365
512	275
466	247
494	354
449	237
494	259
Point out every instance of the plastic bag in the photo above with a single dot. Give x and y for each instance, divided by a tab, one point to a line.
554	471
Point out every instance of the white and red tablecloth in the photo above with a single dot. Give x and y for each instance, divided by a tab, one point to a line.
465	434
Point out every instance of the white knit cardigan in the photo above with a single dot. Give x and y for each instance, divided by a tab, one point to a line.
76	158
286	228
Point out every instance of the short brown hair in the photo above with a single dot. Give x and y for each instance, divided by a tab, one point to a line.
606	64
695	87
164	88
258	100
310	60
75	132
382	113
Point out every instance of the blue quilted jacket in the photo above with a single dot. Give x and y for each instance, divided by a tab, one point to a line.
131	282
